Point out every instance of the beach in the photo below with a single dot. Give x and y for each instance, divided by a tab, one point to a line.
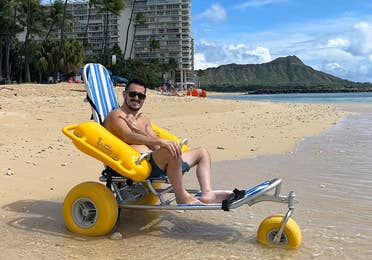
39	165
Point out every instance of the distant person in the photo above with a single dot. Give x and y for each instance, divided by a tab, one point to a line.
130	125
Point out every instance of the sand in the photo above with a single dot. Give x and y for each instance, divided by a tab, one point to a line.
38	164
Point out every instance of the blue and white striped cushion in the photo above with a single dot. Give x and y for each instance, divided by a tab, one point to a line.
100	90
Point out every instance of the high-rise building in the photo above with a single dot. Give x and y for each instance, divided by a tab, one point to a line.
146	30
160	29
96	34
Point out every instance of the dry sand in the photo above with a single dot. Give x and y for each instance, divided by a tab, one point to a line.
38	165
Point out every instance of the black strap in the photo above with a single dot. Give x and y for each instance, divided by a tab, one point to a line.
95	109
234	196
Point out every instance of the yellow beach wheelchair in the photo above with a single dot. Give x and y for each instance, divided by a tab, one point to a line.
91	208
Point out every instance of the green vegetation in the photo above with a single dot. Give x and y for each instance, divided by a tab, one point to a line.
151	73
33	46
283	75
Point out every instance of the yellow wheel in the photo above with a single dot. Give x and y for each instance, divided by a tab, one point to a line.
90	209
291	237
150	198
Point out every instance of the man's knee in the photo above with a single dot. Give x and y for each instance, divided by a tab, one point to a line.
203	152
164	155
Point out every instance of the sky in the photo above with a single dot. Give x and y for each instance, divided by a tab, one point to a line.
333	36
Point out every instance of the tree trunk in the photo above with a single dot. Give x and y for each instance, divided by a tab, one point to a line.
87	27
131	47
9	42
105	32
7	54
61	43
129	24
49	31
26	50
27	60
40	78
1	60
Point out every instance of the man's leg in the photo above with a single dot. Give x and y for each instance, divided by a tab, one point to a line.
201	158
173	167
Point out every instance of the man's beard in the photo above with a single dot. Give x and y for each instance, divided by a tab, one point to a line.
134	109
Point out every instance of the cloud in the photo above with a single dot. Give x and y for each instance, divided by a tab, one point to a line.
341	46
333	68
338	42
216	13
355	70
258	3
245	54
213	54
361	39
348	56
201	63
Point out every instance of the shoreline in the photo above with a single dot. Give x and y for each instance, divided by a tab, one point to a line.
33	115
39	166
229	129
36	155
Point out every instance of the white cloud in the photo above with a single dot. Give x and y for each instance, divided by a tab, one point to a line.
258	3
338	42
213	54
333	66
201	63
216	13
341	47
243	54
361	39
264	53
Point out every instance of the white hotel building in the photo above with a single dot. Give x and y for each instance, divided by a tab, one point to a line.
166	21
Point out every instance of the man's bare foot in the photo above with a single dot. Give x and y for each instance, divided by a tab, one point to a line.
188	200
214	196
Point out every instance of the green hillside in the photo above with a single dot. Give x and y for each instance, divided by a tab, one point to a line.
282	75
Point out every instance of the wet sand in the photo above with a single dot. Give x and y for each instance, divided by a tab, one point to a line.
39	165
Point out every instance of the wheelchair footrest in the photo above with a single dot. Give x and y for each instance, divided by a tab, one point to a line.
235	196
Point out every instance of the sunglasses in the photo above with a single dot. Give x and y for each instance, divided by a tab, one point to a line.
140	96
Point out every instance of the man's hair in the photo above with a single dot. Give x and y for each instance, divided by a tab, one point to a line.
135	81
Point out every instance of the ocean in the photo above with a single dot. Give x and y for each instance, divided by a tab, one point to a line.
331	174
353	97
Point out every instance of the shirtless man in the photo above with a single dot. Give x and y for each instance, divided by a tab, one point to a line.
130	125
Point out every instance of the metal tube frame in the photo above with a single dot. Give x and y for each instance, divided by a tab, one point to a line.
165	203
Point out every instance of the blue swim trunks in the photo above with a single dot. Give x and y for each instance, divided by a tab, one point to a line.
156	172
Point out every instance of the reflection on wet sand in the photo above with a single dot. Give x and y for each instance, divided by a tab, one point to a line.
165	224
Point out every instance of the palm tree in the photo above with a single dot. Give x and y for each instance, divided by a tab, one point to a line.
128	28
55	17
154	44
62	39
168	69
73	56
110	7
30	15
41	62
199	74
7	36
91	3
140	19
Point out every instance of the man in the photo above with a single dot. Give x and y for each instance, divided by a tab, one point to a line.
130	125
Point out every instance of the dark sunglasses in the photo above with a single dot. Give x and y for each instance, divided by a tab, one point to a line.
140	96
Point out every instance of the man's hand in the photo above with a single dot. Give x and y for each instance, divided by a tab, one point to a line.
173	147
131	121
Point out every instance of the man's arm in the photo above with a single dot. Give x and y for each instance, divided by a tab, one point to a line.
126	130
131	134
173	147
